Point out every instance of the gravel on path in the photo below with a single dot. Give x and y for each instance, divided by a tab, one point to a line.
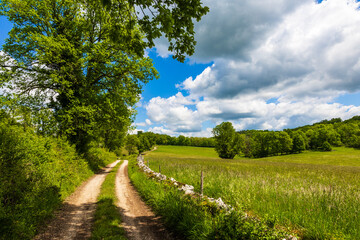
139	221
74	219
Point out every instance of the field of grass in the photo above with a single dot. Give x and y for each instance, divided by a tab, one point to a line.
194	218
316	193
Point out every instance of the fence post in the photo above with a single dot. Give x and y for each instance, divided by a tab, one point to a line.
202	183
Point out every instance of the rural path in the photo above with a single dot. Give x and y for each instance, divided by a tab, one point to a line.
73	220
138	220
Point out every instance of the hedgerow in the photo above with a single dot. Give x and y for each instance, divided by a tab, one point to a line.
36	174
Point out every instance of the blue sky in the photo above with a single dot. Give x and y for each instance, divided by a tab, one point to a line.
274	64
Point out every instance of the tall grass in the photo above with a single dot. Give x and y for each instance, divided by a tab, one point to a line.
315	193
195	218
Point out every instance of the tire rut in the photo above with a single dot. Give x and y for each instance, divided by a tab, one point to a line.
139	221
74	219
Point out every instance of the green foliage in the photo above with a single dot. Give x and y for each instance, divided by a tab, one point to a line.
36	174
172	18
163	139
60	56
326	146
349	132
79	66
121	152
99	157
193	218
323	133
316	193
141	142
132	143
144	143
107	218
227	140
299	143
266	143
182	141
257	143
334	131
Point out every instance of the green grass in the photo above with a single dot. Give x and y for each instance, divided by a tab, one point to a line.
107	219
315	193
194	218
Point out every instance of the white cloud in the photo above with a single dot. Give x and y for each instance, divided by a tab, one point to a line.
144	124
161	130
233	28
299	54
175	113
148	122
311	52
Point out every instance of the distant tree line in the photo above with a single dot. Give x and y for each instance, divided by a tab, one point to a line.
334	131
320	136
145	141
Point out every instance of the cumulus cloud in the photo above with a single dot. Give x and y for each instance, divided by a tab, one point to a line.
148	122
144	124
277	64
311	52
161	130
175	113
244	113
233	28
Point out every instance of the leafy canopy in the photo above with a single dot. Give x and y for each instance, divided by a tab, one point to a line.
172	19
84	60
227	141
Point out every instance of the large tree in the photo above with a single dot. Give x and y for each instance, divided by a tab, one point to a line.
84	60
227	141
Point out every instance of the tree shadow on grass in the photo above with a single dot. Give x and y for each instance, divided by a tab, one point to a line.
107	221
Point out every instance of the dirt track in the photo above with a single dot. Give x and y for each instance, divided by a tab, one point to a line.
73	220
139	222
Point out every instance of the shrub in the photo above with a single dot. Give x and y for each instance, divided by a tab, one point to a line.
98	157
326	146
36	174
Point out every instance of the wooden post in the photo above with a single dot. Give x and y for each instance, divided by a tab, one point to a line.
159	169
202	183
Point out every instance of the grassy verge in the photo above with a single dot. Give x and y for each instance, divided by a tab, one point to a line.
314	192
193	218
107	219
36	174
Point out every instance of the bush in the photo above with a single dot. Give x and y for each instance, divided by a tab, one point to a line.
326	146
121	152
36	174
98	157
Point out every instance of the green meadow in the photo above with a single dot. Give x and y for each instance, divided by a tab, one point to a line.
315	194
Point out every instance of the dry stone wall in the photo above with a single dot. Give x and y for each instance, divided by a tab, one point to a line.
189	190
